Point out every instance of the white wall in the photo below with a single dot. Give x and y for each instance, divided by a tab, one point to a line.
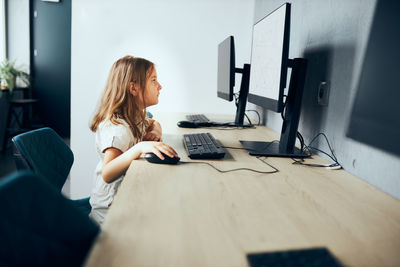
18	33
179	36
2	30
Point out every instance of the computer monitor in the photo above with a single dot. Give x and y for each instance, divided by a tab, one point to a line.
226	78
226	69
268	75
375	119
269	59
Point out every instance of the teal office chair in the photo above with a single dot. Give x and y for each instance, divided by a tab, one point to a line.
39	226
44	152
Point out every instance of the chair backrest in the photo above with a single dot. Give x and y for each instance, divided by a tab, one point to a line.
39	226
44	152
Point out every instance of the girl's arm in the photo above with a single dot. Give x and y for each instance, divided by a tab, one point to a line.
153	132
116	163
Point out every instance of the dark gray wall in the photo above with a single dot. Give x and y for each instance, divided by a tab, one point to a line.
375	116
51	63
17	45
333	36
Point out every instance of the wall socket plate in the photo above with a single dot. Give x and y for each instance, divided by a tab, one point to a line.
323	93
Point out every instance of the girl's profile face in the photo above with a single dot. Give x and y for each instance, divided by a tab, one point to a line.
152	90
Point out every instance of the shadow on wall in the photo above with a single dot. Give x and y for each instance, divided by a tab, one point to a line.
375	118
335	65
312	115
319	69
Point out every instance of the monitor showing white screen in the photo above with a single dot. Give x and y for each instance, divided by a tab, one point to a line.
269	57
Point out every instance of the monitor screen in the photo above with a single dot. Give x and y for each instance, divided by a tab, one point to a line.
269	57
226	69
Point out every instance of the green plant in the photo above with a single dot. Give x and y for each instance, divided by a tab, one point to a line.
9	73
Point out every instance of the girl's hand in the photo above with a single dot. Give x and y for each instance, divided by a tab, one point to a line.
152	136
153	132
157	148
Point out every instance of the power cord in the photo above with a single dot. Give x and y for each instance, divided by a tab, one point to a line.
238	169
236	97
301	139
258	157
248	119
258	115
334	166
233	170
276	170
308	148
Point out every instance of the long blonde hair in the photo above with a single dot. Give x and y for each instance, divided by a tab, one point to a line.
117	102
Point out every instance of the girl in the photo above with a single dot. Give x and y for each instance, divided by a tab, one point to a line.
122	131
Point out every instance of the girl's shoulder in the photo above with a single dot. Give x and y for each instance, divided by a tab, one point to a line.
120	126
114	134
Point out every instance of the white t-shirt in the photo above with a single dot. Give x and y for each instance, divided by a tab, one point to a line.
108	135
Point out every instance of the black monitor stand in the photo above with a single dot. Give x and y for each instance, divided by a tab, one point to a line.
240	104
244	91
286	146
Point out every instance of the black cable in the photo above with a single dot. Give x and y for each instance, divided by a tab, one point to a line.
313	165
327	141
309	148
276	170
238	169
331	156
284	107
258	115
236	97
248	119
301	139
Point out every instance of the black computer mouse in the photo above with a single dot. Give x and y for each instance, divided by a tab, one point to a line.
151	157
187	124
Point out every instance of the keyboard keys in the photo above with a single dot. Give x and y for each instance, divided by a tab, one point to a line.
200	118
203	146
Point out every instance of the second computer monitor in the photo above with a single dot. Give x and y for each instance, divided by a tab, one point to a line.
226	69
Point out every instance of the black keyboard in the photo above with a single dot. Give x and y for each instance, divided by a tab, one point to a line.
197	118
203	146
315	257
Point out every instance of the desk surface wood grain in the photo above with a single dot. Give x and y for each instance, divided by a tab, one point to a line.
192	215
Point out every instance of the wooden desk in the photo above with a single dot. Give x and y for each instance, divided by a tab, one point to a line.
191	215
